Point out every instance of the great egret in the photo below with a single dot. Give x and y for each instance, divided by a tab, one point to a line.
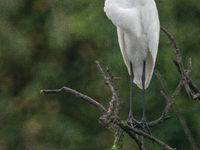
138	30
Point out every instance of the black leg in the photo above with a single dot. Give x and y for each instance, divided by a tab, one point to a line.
143	90
130	116
143	121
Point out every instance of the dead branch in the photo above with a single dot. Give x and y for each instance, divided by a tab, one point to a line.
165	115
118	98
107	118
113	88
133	131
181	118
112	120
189	85
77	94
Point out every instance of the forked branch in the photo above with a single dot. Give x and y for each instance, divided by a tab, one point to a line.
189	85
185	80
111	117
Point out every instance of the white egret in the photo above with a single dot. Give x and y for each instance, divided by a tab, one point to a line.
138	30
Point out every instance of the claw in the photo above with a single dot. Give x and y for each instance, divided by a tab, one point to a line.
143	124
136	124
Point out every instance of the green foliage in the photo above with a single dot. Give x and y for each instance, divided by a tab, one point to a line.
50	44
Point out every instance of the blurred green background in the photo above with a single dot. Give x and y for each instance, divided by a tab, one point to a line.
47	44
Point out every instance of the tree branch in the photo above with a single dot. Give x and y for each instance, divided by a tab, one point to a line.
113	123
106	119
186	80
113	88
132	131
116	91
189	85
77	94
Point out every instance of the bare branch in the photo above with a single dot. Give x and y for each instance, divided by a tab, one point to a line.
181	119
77	94
133	131
189	65
165	115
107	121
189	85
104	77
117	96
107	82
115	124
175	48
185	128
111	106
106	118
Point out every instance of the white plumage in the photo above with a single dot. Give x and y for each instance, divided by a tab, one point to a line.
138	30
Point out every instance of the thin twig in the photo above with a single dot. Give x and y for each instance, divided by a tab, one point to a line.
185	128
181	118
188	82
77	94
164	115
175	48
107	82
113	88
104	77
189	65
118	98
111	106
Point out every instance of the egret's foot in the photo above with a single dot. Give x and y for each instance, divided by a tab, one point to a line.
132	121
136	124
143	124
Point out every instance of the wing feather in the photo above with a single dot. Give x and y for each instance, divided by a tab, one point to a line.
145	36
125	18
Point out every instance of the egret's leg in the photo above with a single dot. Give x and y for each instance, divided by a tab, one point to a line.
143	91
130	116
143	121
142	124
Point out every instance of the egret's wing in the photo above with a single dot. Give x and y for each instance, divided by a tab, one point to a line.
153	32
127	19
153	40
122	46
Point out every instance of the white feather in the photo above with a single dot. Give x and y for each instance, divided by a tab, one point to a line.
138	30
